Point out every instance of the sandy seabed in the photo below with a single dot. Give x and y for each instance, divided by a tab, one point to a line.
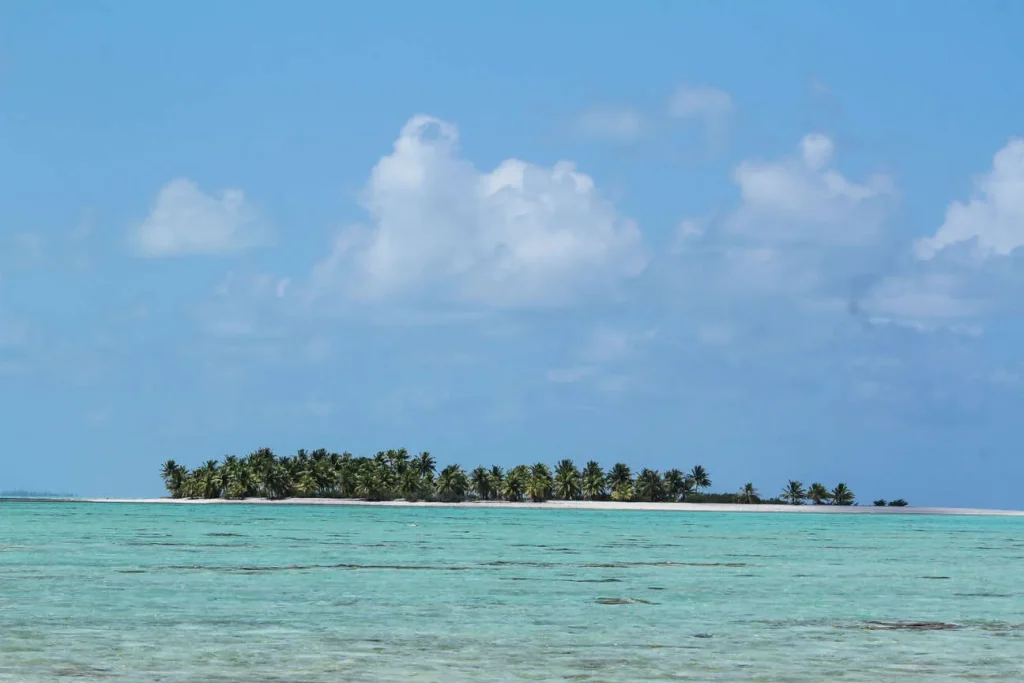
581	505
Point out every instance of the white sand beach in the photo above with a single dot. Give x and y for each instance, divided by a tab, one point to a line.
582	505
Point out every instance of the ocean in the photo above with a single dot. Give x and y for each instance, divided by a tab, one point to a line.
137	592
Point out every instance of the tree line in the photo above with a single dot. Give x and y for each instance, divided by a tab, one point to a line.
397	474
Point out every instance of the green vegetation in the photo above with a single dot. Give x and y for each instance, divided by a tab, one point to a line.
748	494
818	494
794	493
397	474
898	503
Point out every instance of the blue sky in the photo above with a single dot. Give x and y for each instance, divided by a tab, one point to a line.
779	240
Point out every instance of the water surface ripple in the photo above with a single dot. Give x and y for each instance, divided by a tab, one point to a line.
124	592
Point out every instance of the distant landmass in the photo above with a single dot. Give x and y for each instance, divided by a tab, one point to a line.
35	494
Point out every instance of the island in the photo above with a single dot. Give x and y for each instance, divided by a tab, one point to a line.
398	475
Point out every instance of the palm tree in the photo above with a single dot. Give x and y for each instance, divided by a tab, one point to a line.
306	485
541	484
700	477
346	477
371	483
687	488
818	493
211	480
516	482
567	480
748	494
623	492
231	463
388	476
411	485
189	484
619	476
324	474
237	477
278	484
497	476
173	475
398	459
842	495
480	482
169	469
337	458
593	484
452	483
649	486
425	464
675	484
794	493
261	463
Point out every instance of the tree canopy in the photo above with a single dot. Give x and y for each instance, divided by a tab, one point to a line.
397	474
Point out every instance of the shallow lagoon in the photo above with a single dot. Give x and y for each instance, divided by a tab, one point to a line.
288	593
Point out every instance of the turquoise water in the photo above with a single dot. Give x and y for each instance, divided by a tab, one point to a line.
272	593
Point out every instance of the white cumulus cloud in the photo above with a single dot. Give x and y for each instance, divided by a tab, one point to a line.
518	235
801	229
804	199
184	221
967	269
994	218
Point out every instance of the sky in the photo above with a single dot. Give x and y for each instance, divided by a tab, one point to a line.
779	240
